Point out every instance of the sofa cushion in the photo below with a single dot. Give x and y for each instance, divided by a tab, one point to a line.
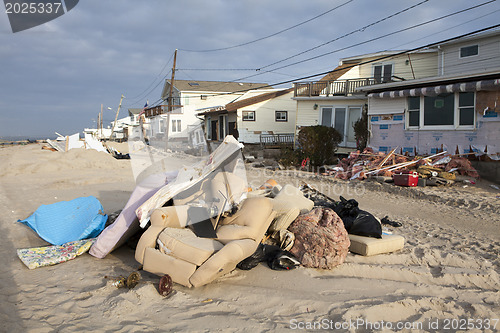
185	245
291	197
368	246
160	264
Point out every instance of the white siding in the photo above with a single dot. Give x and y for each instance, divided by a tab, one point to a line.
386	105
265	121
353	73
488	57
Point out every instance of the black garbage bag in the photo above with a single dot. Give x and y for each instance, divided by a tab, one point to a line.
280	259
365	224
347	210
356	221
276	258
252	261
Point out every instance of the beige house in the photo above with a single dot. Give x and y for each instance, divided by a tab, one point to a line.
333	100
264	114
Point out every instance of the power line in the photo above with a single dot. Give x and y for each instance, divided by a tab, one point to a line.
146	92
271	35
345	35
372	39
368	61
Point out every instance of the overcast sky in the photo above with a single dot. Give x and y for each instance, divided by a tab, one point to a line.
55	77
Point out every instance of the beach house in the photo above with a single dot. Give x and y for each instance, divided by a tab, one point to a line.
334	100
264	116
188	96
456	110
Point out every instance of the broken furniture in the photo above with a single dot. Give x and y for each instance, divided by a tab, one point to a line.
168	247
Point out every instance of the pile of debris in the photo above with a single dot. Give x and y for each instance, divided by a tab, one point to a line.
361	165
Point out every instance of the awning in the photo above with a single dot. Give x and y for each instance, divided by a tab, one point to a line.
442	89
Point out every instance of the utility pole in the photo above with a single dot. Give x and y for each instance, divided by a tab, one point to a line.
170	106
116	116
99	125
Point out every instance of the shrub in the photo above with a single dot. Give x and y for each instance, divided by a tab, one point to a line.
319	143
361	131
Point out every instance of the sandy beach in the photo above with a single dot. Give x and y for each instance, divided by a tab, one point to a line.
447	274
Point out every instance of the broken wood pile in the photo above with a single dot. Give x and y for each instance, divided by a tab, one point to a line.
361	165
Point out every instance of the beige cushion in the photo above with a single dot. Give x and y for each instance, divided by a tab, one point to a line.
160	264
291	197
283	221
250	221
185	245
369	246
223	261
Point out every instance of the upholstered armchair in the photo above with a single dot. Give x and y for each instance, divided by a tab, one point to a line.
168	246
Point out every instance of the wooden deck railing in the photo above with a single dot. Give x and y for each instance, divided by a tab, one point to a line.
330	88
162	109
276	140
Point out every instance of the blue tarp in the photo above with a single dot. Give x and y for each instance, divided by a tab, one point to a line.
68	221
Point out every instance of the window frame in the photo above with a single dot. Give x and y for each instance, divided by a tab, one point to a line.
276	119
248	113
468	56
383	64
408	110
177	127
456	115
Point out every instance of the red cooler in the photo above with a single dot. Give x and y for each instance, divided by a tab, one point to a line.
406	178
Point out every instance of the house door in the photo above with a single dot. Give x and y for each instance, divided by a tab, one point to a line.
222	127
353	116
213	130
334	117
342	118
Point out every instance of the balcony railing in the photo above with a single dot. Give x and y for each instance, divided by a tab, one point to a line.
330	88
162	109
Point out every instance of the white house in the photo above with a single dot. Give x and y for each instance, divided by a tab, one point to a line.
264	114
334	101
188	96
457	110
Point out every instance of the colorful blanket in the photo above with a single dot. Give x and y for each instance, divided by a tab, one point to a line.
50	255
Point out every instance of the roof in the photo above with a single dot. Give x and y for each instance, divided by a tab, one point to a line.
338	72
480	35
242	101
216	86
135	111
443	79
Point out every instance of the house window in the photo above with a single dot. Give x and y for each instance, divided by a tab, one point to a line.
469	51
248	115
439	110
176	125
445	111
382	73
281	115
466	109
413	111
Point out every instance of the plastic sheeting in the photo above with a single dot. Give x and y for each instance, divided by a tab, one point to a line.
68	221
